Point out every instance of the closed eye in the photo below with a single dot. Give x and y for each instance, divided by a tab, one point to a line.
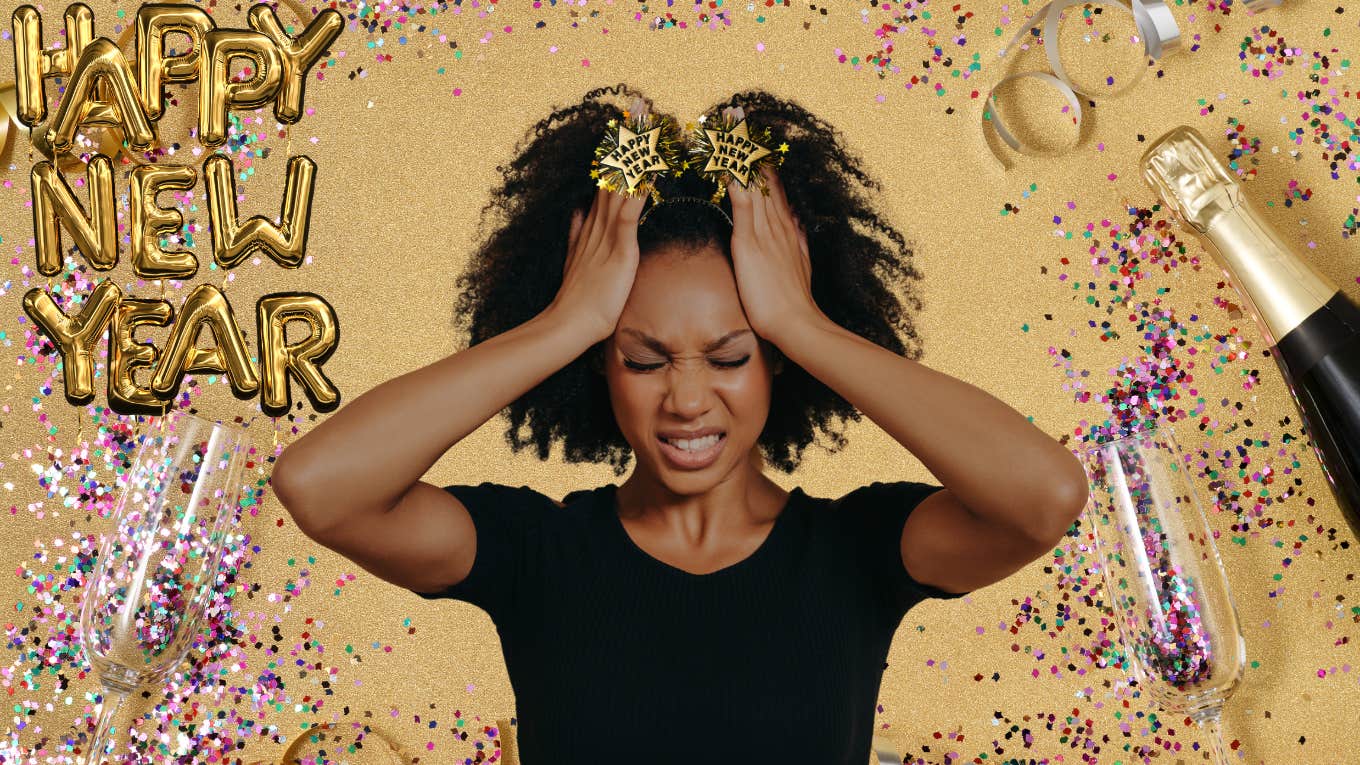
652	367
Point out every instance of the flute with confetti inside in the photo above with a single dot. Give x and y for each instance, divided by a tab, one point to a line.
1164	581
1313	328
143	604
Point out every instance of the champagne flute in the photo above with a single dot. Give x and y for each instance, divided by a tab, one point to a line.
1162	571
158	565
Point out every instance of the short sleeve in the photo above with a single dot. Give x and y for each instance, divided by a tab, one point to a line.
880	511
504	517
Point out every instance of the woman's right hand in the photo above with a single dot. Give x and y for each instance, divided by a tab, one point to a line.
602	260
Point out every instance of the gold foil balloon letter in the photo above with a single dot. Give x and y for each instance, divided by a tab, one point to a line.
206	306
101	63
149	220
218	95
232	243
126	355
303	358
33	63
299	53
75	337
154	68
95	234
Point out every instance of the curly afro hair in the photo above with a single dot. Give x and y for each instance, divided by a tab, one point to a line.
862	270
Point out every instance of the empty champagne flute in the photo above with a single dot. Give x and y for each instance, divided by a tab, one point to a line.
157	565
1168	589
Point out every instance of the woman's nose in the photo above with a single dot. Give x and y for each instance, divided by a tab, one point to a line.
687	394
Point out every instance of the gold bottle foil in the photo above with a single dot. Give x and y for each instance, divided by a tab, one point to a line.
1279	288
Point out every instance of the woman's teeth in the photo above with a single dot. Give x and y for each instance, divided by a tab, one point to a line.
696	444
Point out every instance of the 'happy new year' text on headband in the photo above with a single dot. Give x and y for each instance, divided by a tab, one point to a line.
642	147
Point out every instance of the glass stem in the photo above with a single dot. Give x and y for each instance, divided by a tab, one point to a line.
108	709
1212	729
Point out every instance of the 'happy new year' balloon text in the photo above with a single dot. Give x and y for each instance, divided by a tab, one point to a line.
98	70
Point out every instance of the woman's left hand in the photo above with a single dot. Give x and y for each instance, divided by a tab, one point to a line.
770	258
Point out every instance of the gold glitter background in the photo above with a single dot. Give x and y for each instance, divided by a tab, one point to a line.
404	166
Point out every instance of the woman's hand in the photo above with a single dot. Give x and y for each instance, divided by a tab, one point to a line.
770	257
602	258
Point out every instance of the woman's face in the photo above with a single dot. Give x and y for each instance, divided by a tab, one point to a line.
683	358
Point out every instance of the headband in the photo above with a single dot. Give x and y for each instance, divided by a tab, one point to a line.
640	148
684	200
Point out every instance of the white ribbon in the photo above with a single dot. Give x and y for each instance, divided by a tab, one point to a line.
1155	26
1152	19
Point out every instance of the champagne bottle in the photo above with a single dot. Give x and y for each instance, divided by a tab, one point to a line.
1313	328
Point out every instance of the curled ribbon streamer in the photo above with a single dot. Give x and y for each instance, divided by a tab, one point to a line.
1005	133
104	142
1155	26
9	113
305	741
1153	21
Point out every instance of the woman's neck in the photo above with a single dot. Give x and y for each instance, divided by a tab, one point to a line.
743	500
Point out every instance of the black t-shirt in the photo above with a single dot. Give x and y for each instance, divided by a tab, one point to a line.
614	655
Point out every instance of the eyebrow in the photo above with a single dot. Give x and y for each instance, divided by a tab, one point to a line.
657	345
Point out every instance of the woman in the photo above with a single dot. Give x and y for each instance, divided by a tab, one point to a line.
697	610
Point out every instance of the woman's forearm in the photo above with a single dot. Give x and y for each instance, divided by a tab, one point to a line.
990	456
368	454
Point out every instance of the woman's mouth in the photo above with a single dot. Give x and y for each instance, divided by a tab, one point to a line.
693	454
